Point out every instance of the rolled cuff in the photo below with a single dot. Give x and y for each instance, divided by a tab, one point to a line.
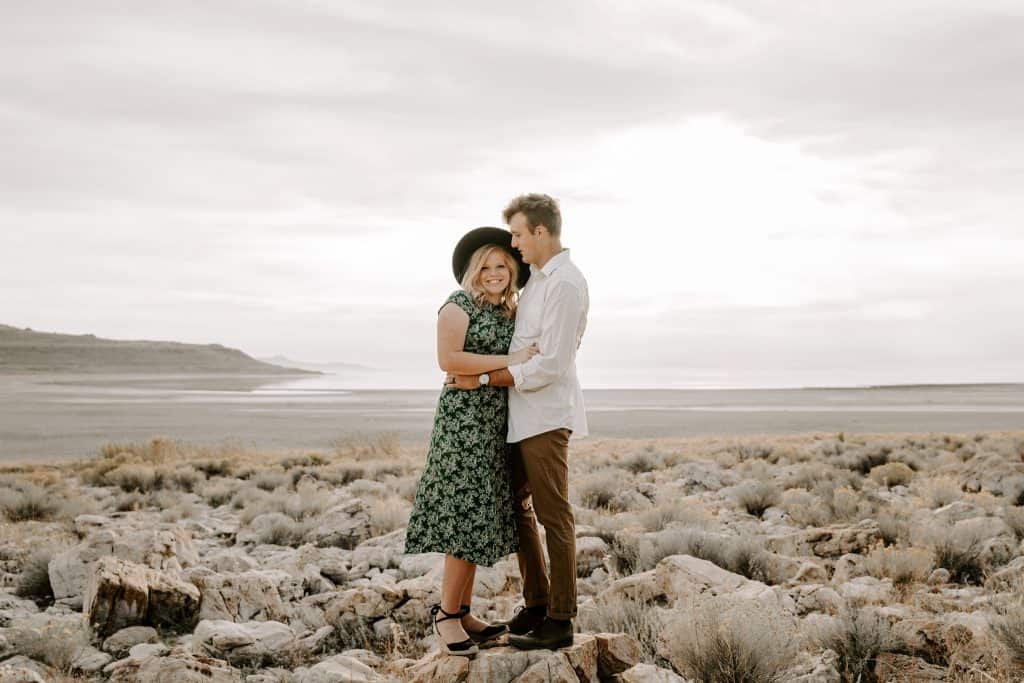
517	374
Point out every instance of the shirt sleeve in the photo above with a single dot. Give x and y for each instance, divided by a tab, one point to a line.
558	340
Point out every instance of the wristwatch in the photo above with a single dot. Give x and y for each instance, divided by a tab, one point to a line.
485	379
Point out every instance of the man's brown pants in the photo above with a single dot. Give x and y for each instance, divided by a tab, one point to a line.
540	469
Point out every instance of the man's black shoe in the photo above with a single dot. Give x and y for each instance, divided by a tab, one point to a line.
551	635
525	620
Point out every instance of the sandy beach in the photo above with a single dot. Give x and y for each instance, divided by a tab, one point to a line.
46	417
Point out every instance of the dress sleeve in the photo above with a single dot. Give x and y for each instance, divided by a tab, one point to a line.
461	299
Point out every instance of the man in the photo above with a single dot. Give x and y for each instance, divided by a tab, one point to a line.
545	408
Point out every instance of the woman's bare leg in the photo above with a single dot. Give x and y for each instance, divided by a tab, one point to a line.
469	622
456	573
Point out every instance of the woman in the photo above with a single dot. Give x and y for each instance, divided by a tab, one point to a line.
464	502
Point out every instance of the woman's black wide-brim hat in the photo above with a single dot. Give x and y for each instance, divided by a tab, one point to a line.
474	239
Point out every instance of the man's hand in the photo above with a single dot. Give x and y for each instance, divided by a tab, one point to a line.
464	382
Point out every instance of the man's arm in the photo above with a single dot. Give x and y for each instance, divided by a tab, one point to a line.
558	340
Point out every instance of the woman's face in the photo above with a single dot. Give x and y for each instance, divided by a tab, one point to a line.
495	275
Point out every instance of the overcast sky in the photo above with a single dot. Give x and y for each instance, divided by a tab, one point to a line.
761	193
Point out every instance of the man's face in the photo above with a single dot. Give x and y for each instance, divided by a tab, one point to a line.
522	239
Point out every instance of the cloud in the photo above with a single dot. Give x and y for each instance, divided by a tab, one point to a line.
268	174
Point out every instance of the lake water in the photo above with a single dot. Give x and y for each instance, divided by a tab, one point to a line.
46	417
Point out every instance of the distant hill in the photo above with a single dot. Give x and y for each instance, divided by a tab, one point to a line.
329	367
28	351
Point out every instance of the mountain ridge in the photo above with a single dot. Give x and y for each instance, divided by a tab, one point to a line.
24	350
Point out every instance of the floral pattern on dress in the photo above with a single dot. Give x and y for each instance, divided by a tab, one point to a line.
464	503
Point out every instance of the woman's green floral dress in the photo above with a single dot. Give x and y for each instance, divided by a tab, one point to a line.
464	505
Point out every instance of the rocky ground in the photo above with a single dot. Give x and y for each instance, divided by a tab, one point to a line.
819	558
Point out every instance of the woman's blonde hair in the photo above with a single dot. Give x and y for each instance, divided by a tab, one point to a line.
471	279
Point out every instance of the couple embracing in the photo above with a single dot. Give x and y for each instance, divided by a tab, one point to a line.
498	460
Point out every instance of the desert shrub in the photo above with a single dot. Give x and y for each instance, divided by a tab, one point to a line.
756	497
646	460
307	501
285	531
25	501
631	553
894	527
844	503
866	458
1014	516
342	474
724	641
859	637
268	480
223	467
156	450
388	514
903	566
220	491
56	642
128	502
1008	629
960	552
740	555
752	451
805	508
361	445
892	474
665	514
622	615
141	478
186	478
808	475
624	552
940	491
34	578
406	488
598	490
308	460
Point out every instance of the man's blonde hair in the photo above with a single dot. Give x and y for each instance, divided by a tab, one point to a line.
471	279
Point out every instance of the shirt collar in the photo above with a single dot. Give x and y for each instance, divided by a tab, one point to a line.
553	263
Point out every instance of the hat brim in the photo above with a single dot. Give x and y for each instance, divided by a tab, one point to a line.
474	239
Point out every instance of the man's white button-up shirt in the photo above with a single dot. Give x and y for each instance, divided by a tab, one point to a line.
552	312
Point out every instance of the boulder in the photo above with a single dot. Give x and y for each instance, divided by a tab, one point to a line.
165	547
647	673
344	525
573	664
180	666
894	668
255	643
337	669
249	596
835	541
122	593
122	641
89	660
19	674
616	653
867	590
682	577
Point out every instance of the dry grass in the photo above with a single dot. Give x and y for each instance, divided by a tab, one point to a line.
620	615
858	637
721	641
905	566
756	497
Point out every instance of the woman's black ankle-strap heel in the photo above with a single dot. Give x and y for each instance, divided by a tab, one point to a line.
489	632
463	648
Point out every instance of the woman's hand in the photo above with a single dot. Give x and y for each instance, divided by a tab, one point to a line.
523	355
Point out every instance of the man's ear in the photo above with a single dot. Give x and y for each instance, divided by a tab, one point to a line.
541	226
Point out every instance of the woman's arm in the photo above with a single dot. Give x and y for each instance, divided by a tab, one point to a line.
452	323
